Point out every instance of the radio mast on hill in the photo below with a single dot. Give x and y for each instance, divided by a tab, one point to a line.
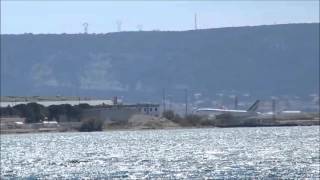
139	27
119	23
195	22
85	27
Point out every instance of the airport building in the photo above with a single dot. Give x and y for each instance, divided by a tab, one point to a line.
106	110
121	112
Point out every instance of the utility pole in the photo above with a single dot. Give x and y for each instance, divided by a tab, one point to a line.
186	100
236	102
274	109
164	99
169	99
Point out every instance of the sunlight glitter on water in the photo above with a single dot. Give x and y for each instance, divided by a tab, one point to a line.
286	152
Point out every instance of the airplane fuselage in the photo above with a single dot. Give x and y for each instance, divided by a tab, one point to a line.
216	112
211	112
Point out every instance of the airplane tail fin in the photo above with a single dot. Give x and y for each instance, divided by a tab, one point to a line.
254	106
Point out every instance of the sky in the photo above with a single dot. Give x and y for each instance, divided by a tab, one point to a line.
104	16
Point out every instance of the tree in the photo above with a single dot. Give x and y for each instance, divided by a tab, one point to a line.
54	112
71	112
6	111
33	112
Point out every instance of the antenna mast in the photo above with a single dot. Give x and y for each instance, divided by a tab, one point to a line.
85	27
119	23
195	21
139	27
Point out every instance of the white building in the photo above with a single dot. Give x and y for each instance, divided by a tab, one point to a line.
121	112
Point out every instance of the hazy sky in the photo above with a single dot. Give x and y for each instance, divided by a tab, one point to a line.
68	17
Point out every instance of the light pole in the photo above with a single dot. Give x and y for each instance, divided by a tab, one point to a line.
186	100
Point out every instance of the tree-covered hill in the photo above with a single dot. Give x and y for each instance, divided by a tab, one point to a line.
259	60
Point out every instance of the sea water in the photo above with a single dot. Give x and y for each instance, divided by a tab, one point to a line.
212	153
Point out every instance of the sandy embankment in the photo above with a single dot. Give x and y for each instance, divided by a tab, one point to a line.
144	122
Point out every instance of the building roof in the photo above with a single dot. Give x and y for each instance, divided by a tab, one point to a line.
49	103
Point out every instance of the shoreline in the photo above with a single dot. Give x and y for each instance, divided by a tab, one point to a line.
286	123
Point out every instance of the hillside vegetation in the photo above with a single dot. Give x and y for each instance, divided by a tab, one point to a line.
261	60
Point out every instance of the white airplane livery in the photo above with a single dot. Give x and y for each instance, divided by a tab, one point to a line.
252	111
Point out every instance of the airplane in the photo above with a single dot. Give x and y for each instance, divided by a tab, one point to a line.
284	114
214	113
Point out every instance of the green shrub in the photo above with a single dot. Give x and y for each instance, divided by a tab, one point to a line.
91	125
189	120
169	114
193	120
